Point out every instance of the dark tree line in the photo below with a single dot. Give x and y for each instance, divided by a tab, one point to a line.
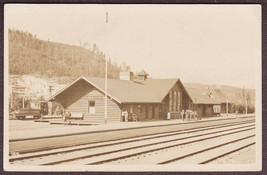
30	55
245	104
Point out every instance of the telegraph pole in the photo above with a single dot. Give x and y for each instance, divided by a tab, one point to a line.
50	105
106	74
23	101
226	107
246	106
50	90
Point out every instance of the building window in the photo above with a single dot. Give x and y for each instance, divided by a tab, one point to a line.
91	107
179	104
170	101
174	101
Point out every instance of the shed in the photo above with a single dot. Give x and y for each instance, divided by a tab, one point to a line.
204	101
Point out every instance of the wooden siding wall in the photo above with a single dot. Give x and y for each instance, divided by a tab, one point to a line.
73	93
186	101
209	110
223	108
165	107
81	105
200	110
207	113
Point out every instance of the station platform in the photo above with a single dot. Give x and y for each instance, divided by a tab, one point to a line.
29	129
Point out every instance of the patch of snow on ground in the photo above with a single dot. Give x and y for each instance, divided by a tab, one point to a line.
35	86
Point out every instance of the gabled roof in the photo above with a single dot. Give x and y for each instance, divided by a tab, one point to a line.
220	96
124	91
200	96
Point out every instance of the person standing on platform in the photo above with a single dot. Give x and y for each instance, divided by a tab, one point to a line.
182	114
123	115
168	115
66	115
186	115
190	114
126	116
196	116
193	115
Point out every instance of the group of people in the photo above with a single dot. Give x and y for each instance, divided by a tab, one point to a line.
189	115
128	117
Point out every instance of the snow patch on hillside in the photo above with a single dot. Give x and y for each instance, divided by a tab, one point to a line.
35	87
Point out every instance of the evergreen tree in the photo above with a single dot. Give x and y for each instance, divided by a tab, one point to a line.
30	55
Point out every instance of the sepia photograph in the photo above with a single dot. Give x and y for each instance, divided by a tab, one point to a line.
101	87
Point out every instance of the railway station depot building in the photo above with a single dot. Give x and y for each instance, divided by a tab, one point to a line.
208	102
148	99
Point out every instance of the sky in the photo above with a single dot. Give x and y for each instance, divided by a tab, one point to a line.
210	44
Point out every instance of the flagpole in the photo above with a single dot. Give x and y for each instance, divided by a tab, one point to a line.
106	73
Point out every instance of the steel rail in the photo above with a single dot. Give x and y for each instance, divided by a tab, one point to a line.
228	153
153	136
146	145
157	149
121	129
207	149
132	137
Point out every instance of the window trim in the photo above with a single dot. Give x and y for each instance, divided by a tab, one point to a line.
89	106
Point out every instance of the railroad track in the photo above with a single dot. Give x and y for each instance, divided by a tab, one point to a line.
132	128
46	143
119	151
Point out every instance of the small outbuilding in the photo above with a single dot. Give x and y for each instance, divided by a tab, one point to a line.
204	102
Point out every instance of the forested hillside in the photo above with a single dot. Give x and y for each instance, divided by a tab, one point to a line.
30	55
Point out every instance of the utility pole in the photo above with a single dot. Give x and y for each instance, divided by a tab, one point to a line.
106	74
23	101
246	106
50	90
226	107
50	104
